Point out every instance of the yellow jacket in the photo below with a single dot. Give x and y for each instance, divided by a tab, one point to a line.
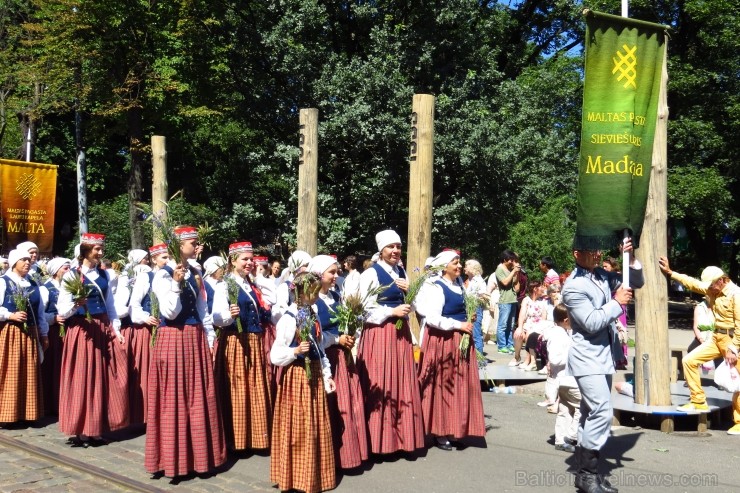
726	306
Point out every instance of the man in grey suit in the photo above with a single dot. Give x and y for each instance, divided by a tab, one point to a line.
594	298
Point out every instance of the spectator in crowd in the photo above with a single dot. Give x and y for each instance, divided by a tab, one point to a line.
547	267
569	407
507	273
476	286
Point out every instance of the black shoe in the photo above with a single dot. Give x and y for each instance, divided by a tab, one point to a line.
98	442
444	446
77	442
571	441
606	485
587	482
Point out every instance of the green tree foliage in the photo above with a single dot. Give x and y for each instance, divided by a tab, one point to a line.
224	81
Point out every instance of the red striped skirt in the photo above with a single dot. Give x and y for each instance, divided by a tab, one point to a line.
273	371
302	455
347	411
243	390
21	398
184	431
51	370
93	396
138	340
450	387
385	363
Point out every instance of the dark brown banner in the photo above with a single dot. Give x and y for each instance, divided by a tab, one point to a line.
27	196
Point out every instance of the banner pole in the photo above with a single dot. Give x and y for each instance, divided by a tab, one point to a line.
625	262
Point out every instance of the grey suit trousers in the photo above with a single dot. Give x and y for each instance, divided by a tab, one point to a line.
596	410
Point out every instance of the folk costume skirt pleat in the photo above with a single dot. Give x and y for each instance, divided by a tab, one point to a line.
138	341
51	370
385	362
184	432
450	387
21	397
302	454
243	390
347	410
93	397
273	371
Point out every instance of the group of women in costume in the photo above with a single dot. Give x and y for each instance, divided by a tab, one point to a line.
213	358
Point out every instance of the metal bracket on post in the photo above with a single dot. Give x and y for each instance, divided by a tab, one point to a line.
646	377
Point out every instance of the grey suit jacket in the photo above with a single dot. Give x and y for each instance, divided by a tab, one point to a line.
592	313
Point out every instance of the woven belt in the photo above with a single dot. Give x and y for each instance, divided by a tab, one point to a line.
729	332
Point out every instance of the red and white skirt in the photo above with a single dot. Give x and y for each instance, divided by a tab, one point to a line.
243	390
302	455
93	397
385	363
184	432
347	410
138	341
450	387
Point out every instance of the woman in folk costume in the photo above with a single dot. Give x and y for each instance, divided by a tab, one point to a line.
241	371
184	431
297	263
34	272
140	340
51	368
23	334
93	396
450	387
135	334
385	357
302	455
214	269
346	405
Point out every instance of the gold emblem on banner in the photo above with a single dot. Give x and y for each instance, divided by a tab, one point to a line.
625	64
27	186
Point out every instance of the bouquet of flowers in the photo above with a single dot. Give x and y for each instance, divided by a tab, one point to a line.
472	303
20	298
233	288
154	312
414	288
305	322
75	285
351	314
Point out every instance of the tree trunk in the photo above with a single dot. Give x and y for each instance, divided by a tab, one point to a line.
136	176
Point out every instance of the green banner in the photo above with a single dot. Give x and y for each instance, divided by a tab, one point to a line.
620	108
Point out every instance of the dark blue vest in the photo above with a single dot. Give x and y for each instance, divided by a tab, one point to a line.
454	306
325	312
34	299
315	353
126	321
51	306
393	296
189	314
146	301
209	296
95	303
250	312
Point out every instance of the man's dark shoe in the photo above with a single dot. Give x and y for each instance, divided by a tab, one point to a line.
565	447
606	485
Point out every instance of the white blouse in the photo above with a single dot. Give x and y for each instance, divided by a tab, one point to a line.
66	305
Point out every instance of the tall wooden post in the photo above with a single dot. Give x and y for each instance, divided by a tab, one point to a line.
308	172
652	355
159	181
421	182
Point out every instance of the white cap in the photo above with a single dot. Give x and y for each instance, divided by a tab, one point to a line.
298	259
53	265
212	264
136	255
320	263
27	246
711	274
15	255
444	258
385	238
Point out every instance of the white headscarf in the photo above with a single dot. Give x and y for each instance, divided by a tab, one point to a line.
212	264
53	265
320	263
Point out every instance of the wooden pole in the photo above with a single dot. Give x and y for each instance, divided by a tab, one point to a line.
308	173
159	181
421	183
651	301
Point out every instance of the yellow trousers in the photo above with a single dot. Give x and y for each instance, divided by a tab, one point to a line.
709	350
